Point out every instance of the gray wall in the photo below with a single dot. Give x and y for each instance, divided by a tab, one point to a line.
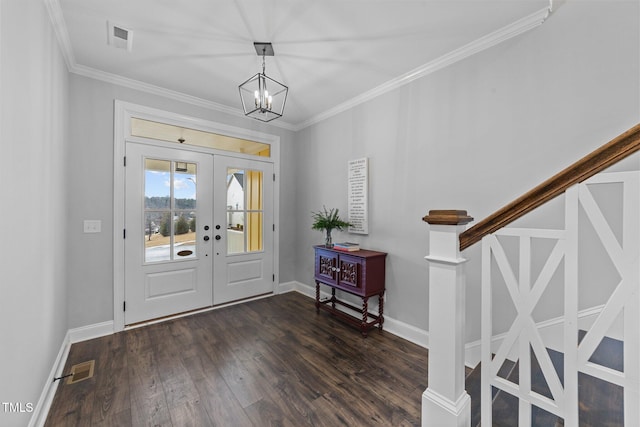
472	136
33	149
90	189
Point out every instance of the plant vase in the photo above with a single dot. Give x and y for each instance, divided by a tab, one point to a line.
327	221
327	240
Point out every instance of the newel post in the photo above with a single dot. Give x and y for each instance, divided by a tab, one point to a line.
445	402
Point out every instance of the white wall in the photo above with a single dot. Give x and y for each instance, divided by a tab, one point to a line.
33	152
472	136
91	190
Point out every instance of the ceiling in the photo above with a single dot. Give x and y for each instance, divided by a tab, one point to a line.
331	53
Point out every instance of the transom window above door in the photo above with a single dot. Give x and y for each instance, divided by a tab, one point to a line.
182	135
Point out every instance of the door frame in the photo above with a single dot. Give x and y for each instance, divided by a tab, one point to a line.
123	112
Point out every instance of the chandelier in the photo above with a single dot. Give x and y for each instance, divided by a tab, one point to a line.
263	98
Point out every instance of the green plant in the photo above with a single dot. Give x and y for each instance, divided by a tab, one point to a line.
165	225
182	225
328	220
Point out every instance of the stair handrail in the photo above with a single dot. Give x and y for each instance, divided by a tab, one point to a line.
610	153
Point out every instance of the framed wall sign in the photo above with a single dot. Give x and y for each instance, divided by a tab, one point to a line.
358	183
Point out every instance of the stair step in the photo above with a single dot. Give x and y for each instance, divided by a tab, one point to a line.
472	385
505	406
609	353
601	403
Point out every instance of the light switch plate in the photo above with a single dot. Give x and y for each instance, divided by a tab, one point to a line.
92	226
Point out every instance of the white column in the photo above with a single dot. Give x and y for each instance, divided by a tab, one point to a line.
445	402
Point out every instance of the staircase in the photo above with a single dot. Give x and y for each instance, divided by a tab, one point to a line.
601	403
552	302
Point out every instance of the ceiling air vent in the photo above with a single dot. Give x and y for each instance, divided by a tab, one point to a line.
119	37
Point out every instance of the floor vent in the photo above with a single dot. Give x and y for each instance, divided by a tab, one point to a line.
81	371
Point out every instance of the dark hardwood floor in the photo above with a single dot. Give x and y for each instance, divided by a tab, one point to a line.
270	362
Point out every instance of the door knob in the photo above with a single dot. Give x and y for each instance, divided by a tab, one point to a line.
217	227
206	238
206	227
218	237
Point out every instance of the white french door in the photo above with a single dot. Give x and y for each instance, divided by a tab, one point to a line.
199	230
168	244
243	234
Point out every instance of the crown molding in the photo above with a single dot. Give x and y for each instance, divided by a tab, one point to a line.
60	29
164	92
505	33
152	89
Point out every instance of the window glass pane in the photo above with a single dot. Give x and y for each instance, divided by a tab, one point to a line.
182	135
184	185
235	189
244	210
235	211
170	210
254	190
235	234
156	246
157	191
184	235
254	231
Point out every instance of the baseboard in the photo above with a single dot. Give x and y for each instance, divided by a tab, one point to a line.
393	326
41	409
408	332
551	330
72	336
90	332
286	287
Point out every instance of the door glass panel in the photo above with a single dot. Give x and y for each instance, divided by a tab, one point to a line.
235	236
254	190
156	245
157	192
254	231
184	185
184	238
170	210
244	210
184	218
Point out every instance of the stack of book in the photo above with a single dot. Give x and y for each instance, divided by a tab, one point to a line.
346	246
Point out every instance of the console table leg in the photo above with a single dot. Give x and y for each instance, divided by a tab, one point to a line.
317	297
333	298
381	316
365	311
